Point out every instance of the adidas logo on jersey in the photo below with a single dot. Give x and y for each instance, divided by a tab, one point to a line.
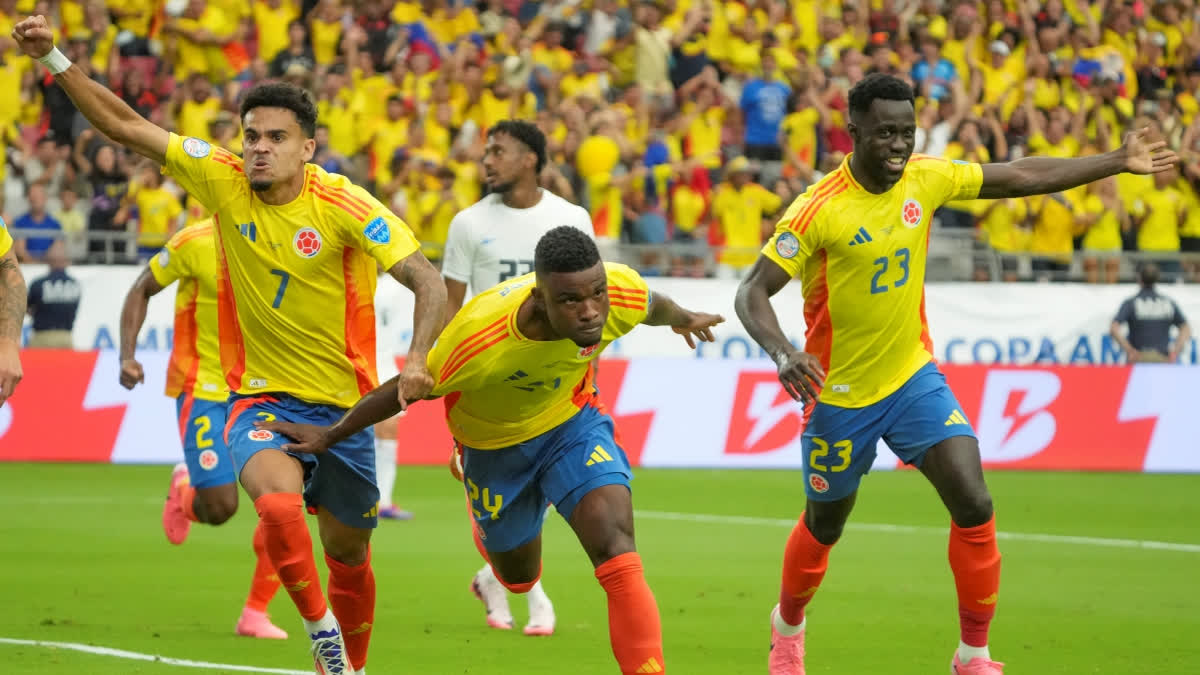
599	456
956	418
861	237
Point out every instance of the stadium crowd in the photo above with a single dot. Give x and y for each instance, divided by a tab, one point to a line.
689	122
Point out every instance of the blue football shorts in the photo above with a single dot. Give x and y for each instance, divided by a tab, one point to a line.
342	480
839	443
509	488
201	429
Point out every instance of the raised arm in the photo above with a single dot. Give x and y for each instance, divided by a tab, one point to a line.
801	374
429	316
133	315
104	109
1044	175
12	315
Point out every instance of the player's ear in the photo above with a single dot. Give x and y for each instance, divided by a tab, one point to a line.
310	148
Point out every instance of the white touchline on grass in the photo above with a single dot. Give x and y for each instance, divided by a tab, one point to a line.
137	656
1103	542
922	529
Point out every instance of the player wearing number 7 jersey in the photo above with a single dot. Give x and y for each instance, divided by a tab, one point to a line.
204	488
297	250
858	239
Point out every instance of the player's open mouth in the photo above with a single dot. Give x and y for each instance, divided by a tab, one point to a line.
896	162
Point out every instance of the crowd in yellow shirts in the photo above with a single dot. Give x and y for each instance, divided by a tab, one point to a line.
686	121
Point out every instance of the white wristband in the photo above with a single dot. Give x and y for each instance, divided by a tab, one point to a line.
55	61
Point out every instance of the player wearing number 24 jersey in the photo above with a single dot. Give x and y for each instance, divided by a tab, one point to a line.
515	368
857	239
296	253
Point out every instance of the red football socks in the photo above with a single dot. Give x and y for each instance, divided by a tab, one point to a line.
289	546
266	582
975	560
633	621
352	595
804	563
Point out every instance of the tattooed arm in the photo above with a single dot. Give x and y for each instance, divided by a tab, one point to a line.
429	315
12	314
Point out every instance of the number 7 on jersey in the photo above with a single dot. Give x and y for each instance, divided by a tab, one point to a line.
283	282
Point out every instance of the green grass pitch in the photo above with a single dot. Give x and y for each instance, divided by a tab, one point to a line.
84	560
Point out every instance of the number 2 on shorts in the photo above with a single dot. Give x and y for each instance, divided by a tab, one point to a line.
821	450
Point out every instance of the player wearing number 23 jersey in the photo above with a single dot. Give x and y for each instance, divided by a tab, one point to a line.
860	258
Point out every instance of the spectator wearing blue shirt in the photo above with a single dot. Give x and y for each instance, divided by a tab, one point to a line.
33	249
54	302
764	105
933	75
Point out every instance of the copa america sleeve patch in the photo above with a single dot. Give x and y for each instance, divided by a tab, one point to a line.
378	231
164	257
195	147
787	245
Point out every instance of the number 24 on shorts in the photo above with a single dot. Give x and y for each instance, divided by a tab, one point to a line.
841	460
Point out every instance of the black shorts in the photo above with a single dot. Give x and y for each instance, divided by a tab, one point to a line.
1189	244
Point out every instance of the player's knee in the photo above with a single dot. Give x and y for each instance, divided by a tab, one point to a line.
825	529
350	553
519	579
619	543
219	511
216	505
974	508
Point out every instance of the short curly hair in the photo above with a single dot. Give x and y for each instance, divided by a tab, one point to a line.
527	133
565	249
283	95
878	86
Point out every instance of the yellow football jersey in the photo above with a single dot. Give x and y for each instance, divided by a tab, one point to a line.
190	258
295	283
501	388
861	257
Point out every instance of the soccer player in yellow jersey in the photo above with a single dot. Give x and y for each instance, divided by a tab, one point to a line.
857	239
516	369
297	250
12	314
203	488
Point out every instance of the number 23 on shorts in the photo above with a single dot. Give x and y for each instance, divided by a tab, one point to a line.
819	459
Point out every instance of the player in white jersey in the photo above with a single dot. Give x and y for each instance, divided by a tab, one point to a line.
386	339
490	242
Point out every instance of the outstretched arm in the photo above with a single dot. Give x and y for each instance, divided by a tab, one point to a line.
377	405
133	315
12	315
429	315
663	311
1045	175
104	109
